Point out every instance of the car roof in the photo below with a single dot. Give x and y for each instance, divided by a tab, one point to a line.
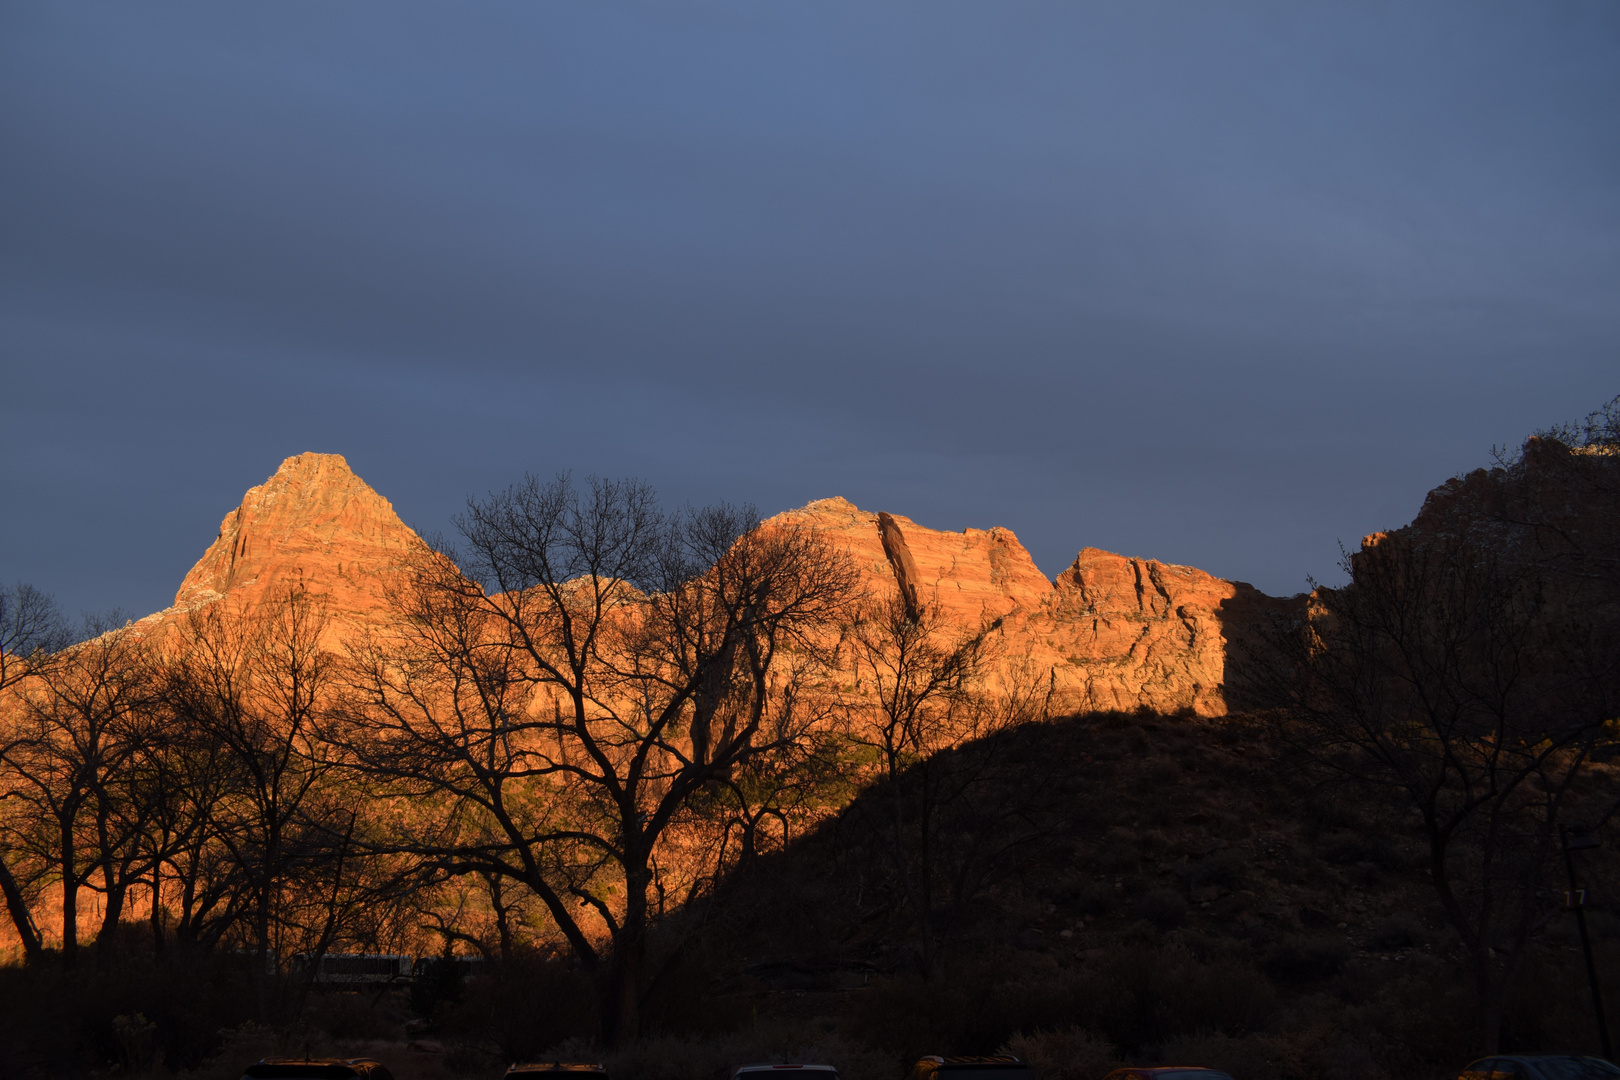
760	1064
1543	1057
785	1065
335	1068
555	1067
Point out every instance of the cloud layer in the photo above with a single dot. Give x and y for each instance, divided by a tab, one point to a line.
1218	285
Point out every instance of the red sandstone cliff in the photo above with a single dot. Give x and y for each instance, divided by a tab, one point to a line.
1111	633
313	521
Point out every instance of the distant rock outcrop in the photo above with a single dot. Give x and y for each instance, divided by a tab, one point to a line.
313	521
1111	633
1551	512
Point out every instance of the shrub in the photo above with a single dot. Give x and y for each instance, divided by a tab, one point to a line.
355	1016
1164	908
1137	996
1097	898
1303	1055
166	1011
1324	812
1402	931
971	1007
1300	958
523	1006
1066	1054
1224	868
1163	771
1343	847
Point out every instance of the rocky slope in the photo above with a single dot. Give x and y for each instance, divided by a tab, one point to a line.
1112	632
1553	504
315	522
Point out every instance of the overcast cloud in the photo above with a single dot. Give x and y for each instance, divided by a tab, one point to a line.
1220	284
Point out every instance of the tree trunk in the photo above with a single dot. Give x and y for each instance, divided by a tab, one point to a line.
70	903
261	964
107	936
503	923
629	960
156	914
629	957
21	917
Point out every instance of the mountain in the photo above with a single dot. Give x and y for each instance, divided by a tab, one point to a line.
1112	632
316	522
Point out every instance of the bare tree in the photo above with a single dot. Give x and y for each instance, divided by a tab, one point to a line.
83	725
946	808
577	673
1443	675
250	688
31	629
195	881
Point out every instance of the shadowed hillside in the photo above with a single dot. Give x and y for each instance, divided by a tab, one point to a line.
1171	888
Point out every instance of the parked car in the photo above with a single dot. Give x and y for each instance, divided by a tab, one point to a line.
934	1067
784	1072
1541	1067
308	1068
1168	1072
558	1070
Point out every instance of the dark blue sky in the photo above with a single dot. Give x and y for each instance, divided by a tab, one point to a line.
1221	284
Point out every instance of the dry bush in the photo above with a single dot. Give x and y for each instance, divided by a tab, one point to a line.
1305	1055
712	1057
1164	908
1065	1054
1224	868
1137	996
1402	930
356	1016
1301	958
519	1008
66	1020
242	1046
1090	898
972	1007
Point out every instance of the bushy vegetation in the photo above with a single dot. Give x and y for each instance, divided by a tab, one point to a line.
1282	962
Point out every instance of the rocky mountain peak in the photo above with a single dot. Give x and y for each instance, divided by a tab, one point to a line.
313	520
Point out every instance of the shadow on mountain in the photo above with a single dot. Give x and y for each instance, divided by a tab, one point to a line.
1140	886
1251	622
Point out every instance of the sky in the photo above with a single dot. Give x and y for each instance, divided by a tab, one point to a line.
1222	284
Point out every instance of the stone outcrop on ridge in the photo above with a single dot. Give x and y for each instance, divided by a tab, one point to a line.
1112	632
313	521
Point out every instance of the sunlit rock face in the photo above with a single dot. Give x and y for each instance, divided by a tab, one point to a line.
314	522
1131	632
973	575
1111	633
